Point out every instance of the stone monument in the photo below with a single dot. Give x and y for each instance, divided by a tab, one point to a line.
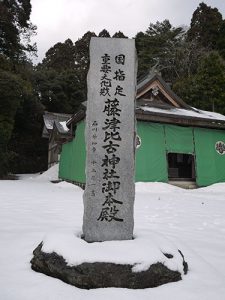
110	128
109	194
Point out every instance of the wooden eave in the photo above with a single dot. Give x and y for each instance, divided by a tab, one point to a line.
80	115
166	118
179	120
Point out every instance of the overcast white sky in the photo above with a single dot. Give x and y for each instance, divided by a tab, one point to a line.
58	20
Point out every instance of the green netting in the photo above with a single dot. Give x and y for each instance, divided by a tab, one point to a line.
210	165
179	139
151	156
73	156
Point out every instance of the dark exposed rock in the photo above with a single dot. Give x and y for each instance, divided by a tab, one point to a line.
168	255
185	265
101	274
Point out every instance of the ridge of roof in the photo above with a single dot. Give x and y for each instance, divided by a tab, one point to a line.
153	76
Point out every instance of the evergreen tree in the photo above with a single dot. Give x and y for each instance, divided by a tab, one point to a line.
205	26
220	44
18	102
82	56
10	97
59	91
157	47
119	34
104	33
206	88
27	149
60	57
16	28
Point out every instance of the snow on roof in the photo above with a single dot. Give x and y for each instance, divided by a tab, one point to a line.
63	124
48	123
195	113
49	119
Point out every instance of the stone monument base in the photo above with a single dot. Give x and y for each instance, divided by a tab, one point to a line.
102	274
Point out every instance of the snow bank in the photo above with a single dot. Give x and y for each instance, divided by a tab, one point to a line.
152	187
67	185
193	220
147	249
217	188
50	174
160	187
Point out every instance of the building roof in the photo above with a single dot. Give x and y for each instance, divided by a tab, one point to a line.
179	116
50	118
153	81
156	102
78	116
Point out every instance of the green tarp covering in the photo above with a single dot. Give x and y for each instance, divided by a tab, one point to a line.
210	165
151	156
179	139
73	156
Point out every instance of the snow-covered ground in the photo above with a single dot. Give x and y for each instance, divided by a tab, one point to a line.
32	208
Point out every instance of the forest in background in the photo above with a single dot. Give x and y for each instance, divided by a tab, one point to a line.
191	59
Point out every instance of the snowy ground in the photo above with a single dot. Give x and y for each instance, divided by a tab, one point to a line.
32	208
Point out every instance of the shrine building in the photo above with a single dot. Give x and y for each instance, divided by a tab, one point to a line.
175	143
